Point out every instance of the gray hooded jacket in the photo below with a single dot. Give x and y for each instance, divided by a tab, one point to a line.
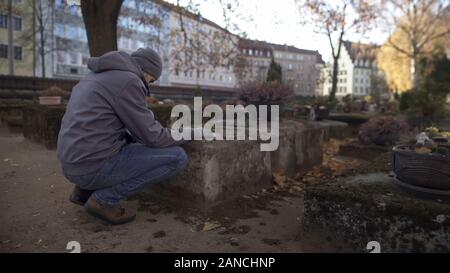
103	107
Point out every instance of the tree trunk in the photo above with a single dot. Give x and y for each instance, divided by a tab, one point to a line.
334	79
413	73
100	19
42	51
10	39
41	36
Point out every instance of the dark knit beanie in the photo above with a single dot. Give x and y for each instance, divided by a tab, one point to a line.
149	60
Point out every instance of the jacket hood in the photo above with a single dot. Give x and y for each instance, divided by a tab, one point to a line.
116	60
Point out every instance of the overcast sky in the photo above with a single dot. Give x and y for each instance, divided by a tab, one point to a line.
277	21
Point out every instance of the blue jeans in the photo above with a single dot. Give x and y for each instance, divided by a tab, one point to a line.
133	168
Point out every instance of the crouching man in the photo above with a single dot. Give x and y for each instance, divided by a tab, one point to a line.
110	145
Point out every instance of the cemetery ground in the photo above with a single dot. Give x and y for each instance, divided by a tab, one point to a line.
36	215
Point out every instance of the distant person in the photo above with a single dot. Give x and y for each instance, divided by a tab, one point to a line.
110	145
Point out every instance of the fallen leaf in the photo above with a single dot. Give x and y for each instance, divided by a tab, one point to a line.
422	150
279	178
211	226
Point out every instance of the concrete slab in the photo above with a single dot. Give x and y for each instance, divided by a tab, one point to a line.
371	208
300	147
217	171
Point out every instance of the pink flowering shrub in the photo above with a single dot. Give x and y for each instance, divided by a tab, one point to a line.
265	92
383	131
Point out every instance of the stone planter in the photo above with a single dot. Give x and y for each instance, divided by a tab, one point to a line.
429	171
49	100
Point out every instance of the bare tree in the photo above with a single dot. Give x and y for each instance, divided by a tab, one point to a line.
336	19
421	23
36	34
200	45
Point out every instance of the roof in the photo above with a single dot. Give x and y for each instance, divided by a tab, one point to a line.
243	42
254	44
360	51
292	49
187	13
319	59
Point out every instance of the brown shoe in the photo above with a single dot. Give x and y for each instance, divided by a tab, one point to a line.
115	215
80	196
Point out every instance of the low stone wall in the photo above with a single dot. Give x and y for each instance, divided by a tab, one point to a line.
42	123
334	129
371	208
353	121
364	152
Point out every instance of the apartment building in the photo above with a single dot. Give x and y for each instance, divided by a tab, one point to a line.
200	52
298	67
22	38
256	58
357	67
136	27
196	52
141	23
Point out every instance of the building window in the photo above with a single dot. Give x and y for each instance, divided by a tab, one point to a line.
72	32
61	57
73	58
17	23
59	4
82	34
18	53
3	21
250	52
3	51
59	30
